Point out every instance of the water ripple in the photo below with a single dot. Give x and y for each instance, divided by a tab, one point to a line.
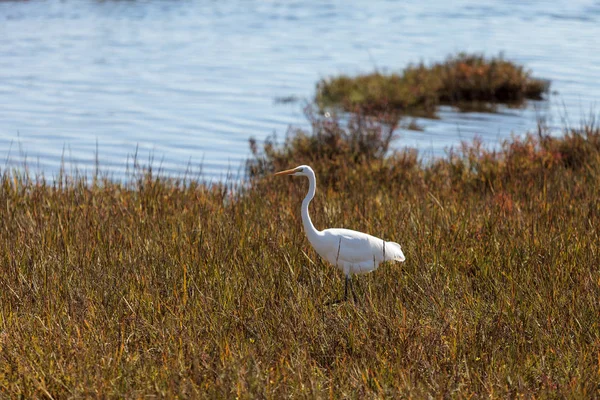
190	82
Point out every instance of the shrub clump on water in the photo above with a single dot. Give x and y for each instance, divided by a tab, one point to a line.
357	151
465	81
335	147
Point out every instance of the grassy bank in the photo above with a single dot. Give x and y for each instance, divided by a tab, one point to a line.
465	81
160	288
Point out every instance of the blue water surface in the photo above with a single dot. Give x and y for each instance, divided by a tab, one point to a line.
187	83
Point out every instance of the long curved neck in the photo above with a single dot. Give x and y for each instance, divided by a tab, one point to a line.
311	232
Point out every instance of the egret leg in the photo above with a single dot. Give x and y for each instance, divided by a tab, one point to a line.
345	292
353	292
346	288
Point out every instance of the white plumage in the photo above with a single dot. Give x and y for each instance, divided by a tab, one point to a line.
351	251
359	252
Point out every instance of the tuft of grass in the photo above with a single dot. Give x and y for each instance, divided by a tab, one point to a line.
157	287
338	144
467	81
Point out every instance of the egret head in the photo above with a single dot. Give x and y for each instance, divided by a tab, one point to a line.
301	170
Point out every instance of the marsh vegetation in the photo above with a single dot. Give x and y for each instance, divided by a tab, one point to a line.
165	287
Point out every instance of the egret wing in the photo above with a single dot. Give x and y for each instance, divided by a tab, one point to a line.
354	247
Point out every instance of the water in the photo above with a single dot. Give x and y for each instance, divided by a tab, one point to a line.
188	82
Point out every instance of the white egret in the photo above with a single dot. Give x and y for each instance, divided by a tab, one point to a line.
351	251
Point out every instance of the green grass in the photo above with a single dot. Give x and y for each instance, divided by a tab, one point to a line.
467	81
159	288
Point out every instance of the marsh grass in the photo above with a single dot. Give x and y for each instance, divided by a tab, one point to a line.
466	81
159	288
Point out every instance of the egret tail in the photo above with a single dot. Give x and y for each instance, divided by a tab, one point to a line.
393	251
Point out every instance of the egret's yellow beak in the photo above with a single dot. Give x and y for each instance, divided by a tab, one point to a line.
287	172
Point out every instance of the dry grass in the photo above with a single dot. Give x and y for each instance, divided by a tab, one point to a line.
159	288
469	82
